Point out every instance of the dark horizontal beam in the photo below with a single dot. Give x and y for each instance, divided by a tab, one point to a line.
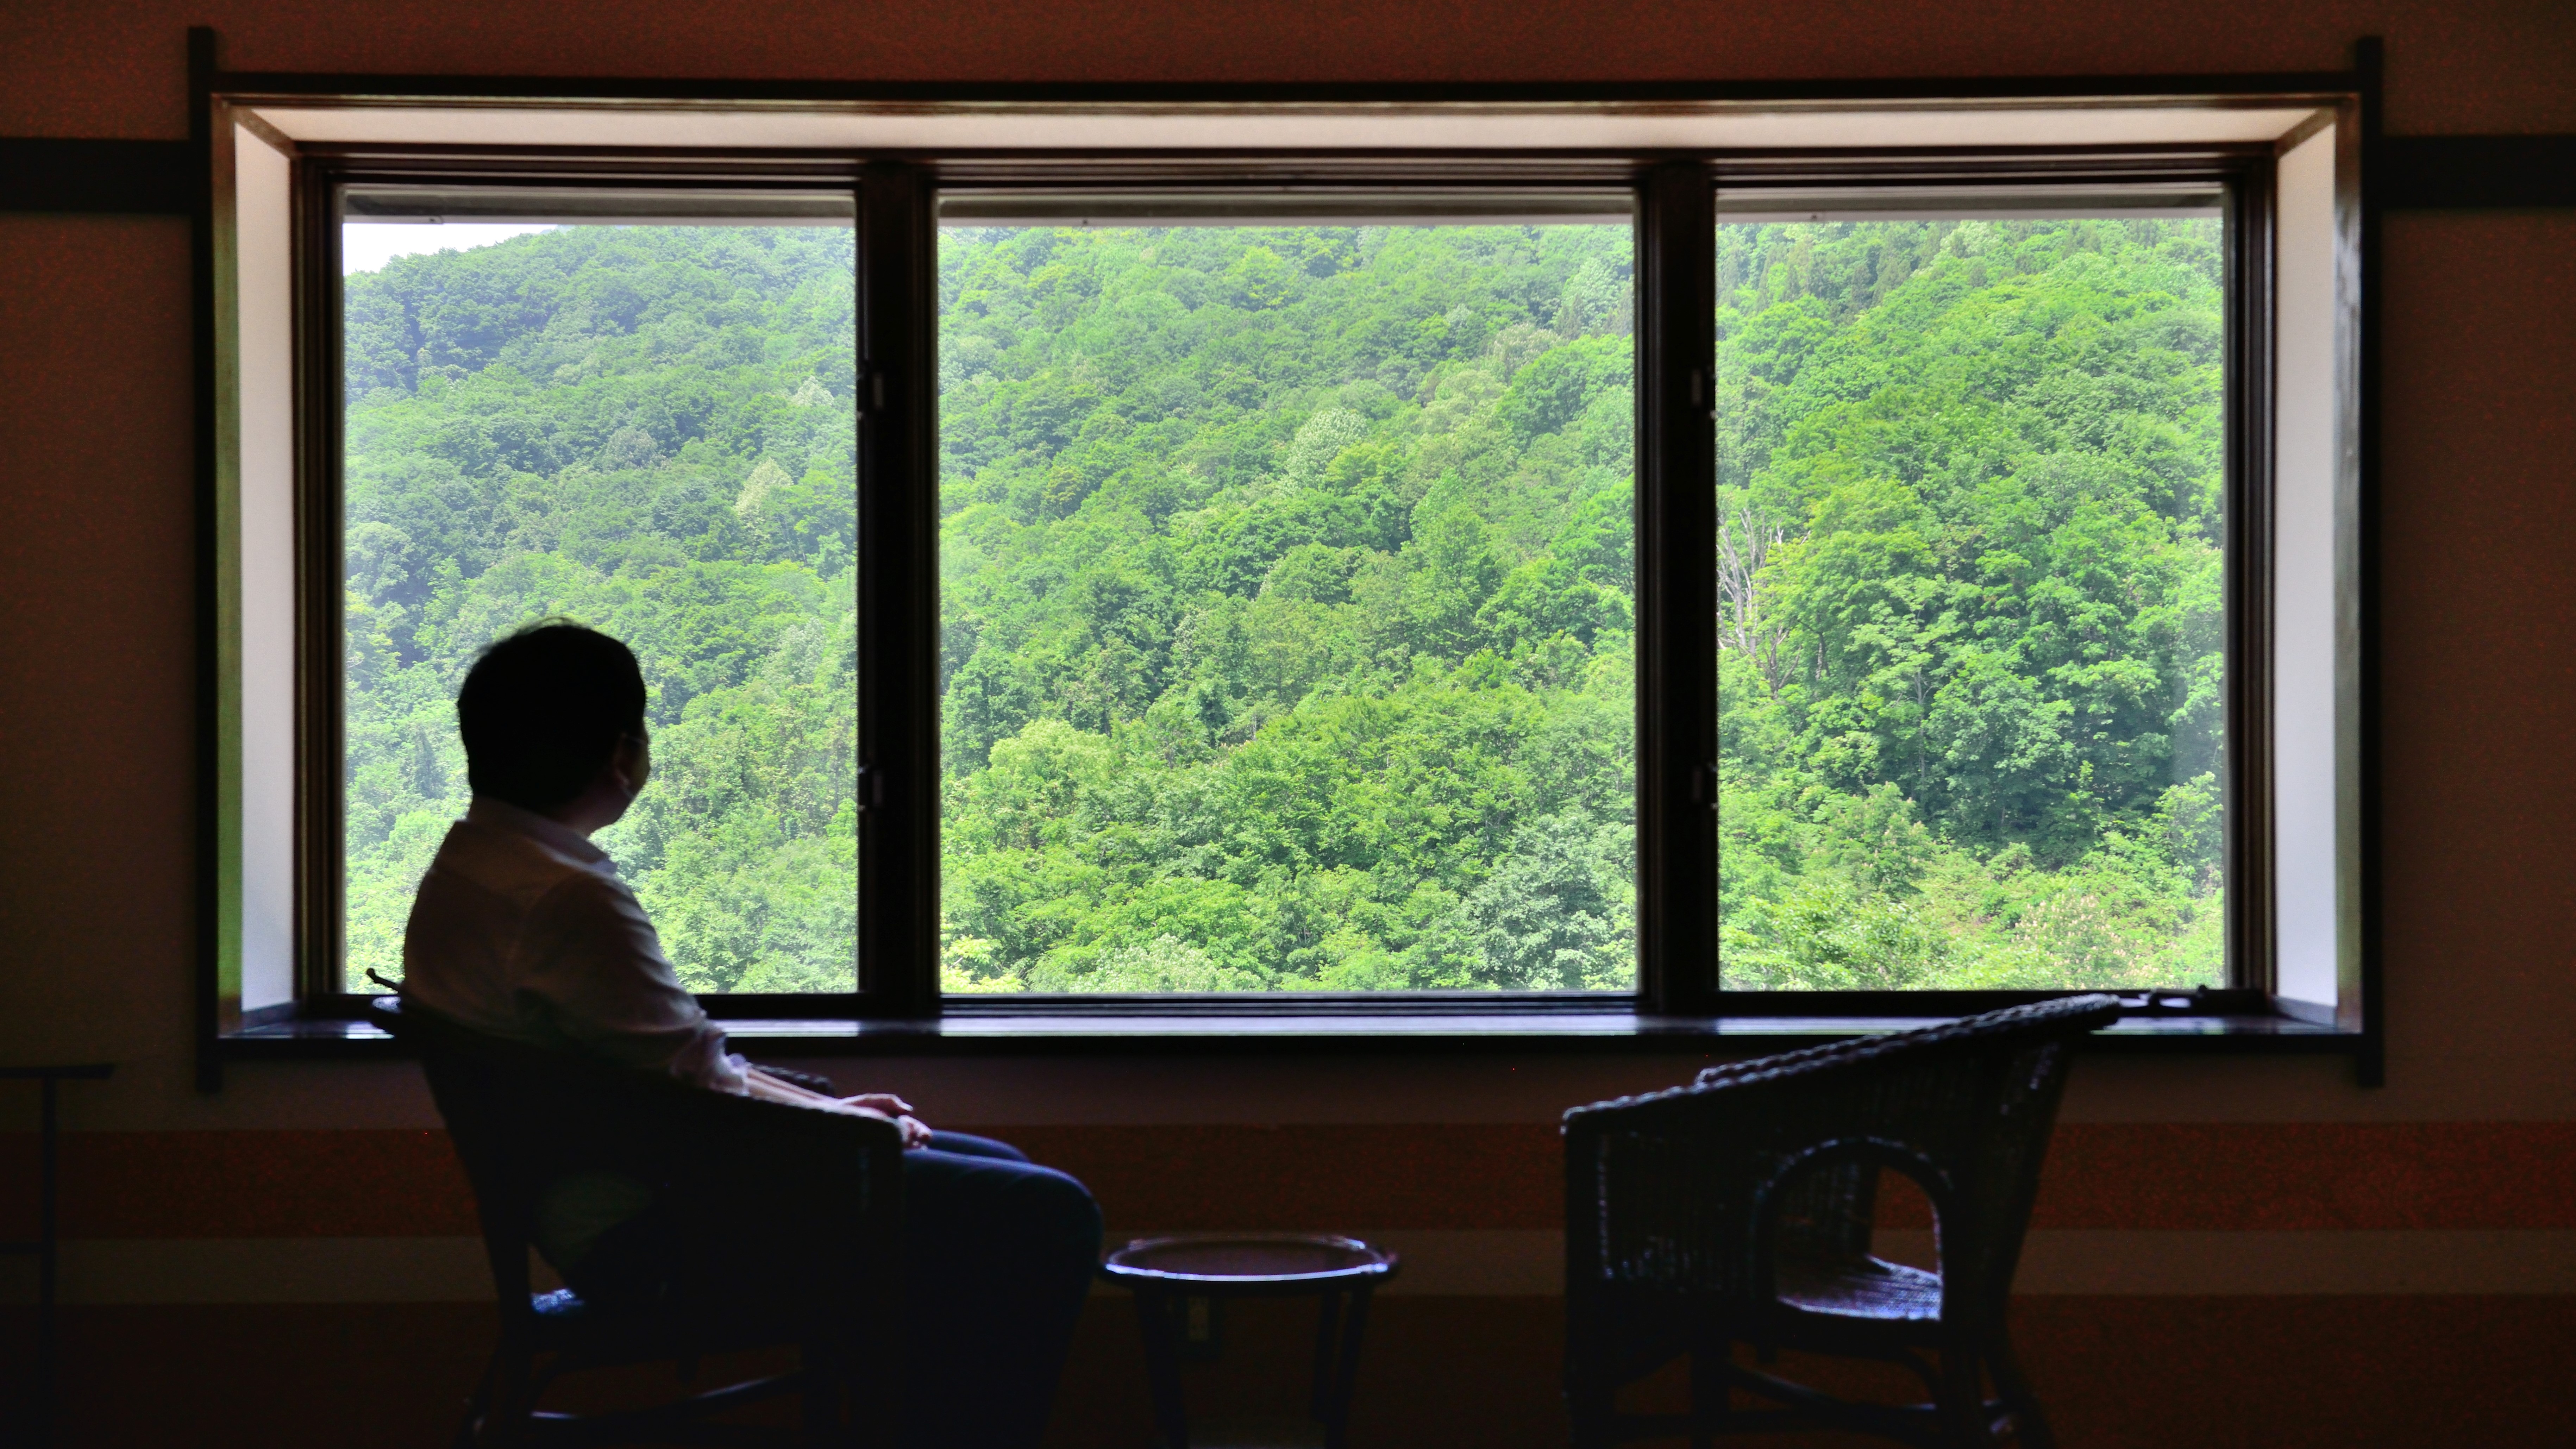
2431	173
43	173
2419	173
288	86
1526	1036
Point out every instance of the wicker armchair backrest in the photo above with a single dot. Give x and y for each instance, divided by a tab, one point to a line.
1702	1189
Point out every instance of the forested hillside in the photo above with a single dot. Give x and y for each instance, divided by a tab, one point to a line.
1288	595
1971	666
648	429
1288	607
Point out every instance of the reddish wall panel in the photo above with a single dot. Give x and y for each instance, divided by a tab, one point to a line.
2287	1177
2351	1373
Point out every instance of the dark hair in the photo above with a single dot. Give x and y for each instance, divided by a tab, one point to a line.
543	709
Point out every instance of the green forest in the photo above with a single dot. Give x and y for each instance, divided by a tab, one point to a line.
1287	610
648	429
1970	604
1287	595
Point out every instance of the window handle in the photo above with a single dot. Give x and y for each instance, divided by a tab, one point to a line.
1703	785
873	788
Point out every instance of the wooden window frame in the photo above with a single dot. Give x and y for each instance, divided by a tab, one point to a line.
898	720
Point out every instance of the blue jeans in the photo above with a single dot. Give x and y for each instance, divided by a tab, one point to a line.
998	1256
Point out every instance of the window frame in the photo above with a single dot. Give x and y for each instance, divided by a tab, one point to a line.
321	744
896	196
2246	176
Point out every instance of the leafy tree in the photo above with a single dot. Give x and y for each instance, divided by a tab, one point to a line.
1287	618
1971	482
647	429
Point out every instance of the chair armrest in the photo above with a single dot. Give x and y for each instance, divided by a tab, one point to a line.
1776	1188
808	1080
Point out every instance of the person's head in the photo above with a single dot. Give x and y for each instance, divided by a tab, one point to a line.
553	719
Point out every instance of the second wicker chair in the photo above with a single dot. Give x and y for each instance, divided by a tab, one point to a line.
1738	1211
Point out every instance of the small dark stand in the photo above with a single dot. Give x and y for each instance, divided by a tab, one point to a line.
37	1428
1166	1272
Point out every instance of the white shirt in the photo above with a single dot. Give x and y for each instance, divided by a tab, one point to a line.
522	929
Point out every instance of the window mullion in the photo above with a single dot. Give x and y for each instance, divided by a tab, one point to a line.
1676	582
2251	948
321	840
898	594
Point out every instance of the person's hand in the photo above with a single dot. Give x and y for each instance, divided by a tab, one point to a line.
916	1133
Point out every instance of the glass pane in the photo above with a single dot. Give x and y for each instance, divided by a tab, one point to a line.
1972	666
634	411
1287	602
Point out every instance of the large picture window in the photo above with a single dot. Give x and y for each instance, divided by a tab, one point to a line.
1548	563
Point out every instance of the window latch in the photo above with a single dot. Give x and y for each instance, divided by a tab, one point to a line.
1703	785
872	787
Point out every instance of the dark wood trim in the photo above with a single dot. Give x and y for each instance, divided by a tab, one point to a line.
321	810
321	969
1423	1035
2135	1005
366	89
2252	270
96	176
2247	175
45	173
2444	173
279	1014
898	562
1009	168
899	726
1974	167
1106	1010
643	171
1676	801
2370	1065
209	691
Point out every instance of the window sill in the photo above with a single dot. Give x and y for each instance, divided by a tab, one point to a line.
1001	1032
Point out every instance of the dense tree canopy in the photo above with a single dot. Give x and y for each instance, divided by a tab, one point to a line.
1972	665
648	429
1287	608
1287	604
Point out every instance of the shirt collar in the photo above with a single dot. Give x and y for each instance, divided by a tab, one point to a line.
553	835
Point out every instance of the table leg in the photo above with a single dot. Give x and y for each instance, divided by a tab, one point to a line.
1154	1318
1337	1422
48	1264
1328	1316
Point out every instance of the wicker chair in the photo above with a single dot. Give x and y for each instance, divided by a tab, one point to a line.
730	1176
1738	1210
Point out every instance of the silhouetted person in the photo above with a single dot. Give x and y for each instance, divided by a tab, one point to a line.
522	930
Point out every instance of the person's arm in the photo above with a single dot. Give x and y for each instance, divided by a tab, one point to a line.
882	1106
608	987
597	969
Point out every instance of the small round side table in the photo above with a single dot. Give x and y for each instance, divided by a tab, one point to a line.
1163	1272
